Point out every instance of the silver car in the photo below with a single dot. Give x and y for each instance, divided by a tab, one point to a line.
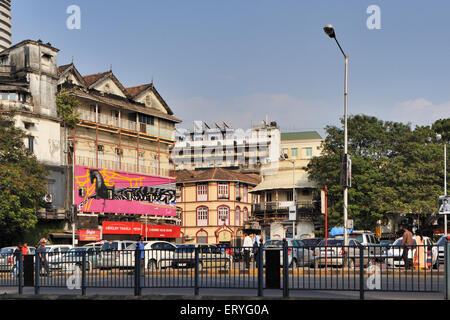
333	253
441	248
114	254
298	253
7	261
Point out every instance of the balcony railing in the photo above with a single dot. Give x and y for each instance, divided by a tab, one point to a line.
304	208
125	124
121	166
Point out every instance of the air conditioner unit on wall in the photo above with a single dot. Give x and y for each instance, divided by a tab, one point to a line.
48	198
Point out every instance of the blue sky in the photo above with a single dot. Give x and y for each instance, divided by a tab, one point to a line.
240	60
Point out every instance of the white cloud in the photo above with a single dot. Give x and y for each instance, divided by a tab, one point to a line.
420	111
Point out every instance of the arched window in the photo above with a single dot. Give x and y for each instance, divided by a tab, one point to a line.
245	214
202	236
237	216
202	216
223	216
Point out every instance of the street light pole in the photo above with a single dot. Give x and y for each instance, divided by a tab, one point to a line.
445	183
294	197
329	30
439	137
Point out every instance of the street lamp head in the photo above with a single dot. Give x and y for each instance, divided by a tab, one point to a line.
438	136
329	30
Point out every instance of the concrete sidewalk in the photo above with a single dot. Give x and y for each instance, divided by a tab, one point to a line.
207	294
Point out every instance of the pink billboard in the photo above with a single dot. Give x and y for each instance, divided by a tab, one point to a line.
102	190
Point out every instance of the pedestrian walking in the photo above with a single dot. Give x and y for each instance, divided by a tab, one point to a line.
419	256
407	242
15	258
257	245
247	247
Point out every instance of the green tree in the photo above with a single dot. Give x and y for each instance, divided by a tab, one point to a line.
22	182
394	170
67	106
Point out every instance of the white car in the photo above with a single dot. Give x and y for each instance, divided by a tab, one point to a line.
394	256
55	252
114	254
158	254
441	247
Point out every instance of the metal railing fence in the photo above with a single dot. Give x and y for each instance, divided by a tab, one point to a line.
416	268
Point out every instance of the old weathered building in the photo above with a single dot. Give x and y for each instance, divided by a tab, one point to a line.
214	204
28	81
118	155
113	166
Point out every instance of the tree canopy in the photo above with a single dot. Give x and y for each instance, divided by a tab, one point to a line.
395	169
22	182
67	106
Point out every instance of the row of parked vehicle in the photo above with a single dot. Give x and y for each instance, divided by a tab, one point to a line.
162	254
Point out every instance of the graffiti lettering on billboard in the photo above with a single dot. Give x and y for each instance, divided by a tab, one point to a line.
95	184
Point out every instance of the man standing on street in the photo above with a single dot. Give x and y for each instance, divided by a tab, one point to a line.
141	246
248	245
407	241
43	257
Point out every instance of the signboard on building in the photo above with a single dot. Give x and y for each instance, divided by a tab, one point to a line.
109	191
89	235
292	213
115	227
285	204
161	231
137	228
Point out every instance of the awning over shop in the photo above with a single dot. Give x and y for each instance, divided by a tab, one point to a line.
283	180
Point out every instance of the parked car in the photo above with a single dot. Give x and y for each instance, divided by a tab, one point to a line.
441	248
311	242
7	258
298	253
114	254
366	238
394	256
209	256
74	258
98	244
383	247
332	254
158	254
7	261
54	253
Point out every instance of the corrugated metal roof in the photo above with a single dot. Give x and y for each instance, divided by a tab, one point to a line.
305	135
